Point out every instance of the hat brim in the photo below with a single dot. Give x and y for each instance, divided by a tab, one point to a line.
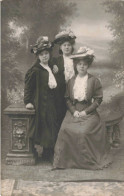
40	49
79	56
63	39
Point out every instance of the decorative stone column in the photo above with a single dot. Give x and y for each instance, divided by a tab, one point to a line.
21	149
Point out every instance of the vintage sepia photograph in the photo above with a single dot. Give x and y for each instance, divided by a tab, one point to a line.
62	97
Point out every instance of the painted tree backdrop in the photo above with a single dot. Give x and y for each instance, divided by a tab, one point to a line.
116	26
24	20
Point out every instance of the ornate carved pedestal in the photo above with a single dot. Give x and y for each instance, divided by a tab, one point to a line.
21	149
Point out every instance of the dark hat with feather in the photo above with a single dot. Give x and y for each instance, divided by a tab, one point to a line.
42	43
64	36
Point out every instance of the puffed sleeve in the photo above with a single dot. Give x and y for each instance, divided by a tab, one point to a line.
30	84
69	103
97	97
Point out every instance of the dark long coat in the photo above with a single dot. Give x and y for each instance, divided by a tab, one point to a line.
60	90
43	128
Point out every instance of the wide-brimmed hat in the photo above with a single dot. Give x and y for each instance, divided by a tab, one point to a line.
82	53
42	43
64	36
85	54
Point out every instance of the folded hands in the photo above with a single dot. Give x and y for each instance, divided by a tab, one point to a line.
78	114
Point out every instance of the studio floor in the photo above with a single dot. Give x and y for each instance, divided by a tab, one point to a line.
41	180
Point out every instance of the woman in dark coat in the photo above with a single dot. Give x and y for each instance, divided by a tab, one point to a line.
82	141
63	65
40	84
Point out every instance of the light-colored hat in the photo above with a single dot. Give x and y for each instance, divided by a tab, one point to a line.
82	53
63	36
42	43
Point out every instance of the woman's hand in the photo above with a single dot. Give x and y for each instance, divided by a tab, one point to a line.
55	69
30	106
83	113
76	114
39	150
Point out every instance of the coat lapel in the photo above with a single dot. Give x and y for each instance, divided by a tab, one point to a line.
61	63
88	93
42	71
72	81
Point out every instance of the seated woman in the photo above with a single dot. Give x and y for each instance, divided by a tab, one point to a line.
82	141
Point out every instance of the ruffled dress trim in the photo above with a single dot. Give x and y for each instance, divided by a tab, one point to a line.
69	68
80	88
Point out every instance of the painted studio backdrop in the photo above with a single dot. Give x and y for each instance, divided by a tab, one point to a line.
97	24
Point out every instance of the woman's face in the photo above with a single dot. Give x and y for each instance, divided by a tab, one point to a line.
82	67
66	48
44	57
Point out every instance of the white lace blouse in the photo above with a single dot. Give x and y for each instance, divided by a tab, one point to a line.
80	87
69	68
52	81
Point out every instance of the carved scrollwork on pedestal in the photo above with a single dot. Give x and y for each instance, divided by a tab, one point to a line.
21	150
19	134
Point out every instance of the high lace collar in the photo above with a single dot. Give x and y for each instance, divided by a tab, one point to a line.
68	68
80	87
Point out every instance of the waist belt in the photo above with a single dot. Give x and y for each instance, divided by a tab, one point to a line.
82	102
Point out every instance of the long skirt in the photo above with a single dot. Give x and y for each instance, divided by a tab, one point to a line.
82	143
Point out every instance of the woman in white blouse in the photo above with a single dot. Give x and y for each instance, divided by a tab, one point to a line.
63	69
82	141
